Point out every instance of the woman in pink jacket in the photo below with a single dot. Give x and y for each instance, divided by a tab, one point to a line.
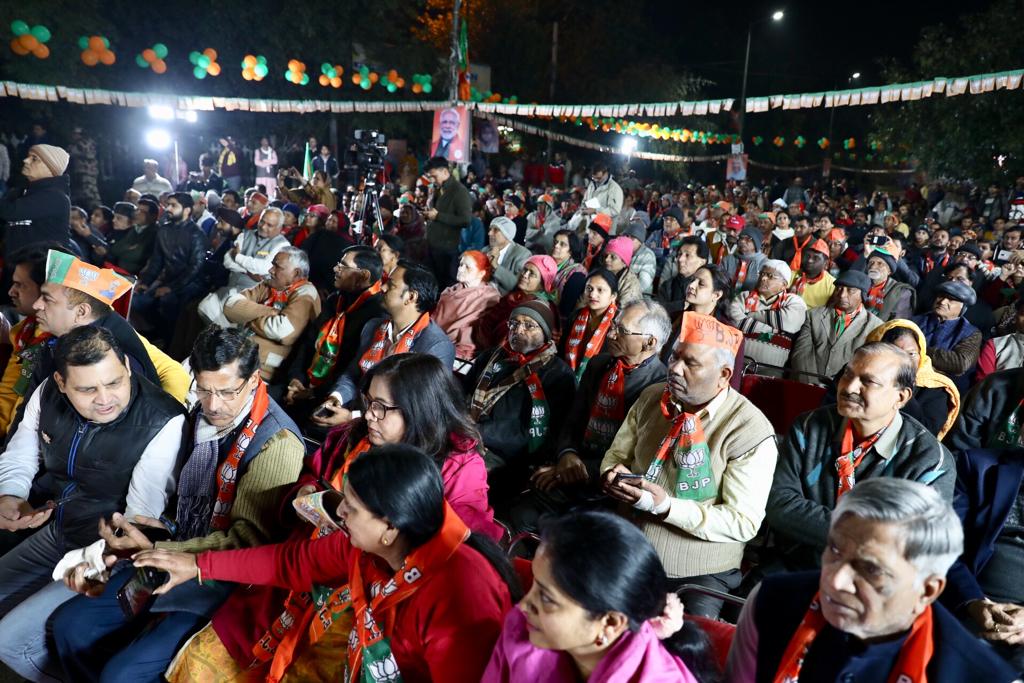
408	398
599	610
461	305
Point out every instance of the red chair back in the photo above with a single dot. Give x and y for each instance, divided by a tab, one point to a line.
781	400
720	633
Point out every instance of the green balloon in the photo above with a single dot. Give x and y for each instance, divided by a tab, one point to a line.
83	43
365	84
333	73
305	79
141	61
392	87
160	49
41	33
325	67
364	70
427	87
261	70
261	59
203	61
199	72
106	43
19	27
194	57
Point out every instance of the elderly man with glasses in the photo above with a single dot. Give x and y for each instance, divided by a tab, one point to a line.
769	316
870	613
520	393
609	387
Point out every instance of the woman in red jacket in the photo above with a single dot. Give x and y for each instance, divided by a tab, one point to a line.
423	597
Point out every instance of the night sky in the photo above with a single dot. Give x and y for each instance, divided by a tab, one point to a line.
815	46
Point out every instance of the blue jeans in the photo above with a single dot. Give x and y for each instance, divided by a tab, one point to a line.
26	646
97	642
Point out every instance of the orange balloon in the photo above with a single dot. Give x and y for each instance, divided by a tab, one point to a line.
357	79
108	57
28	41
248	74
400	82
417	88
211	53
159	66
339	69
213	69
296	77
336	81
149	55
324	80
249	60
90	57
392	75
374	77
41	51
96	44
293	65
18	48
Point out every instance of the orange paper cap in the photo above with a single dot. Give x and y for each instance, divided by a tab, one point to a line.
697	328
837	234
100	283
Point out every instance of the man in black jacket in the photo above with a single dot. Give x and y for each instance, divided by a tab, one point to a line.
178	255
38	212
450	210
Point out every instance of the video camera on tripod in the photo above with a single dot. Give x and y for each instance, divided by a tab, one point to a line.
371	149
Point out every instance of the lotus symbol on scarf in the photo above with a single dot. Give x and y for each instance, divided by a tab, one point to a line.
386	670
691	460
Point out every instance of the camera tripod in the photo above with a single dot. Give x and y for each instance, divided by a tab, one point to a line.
368	199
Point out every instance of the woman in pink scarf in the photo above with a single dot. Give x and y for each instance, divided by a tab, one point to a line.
599	610
461	305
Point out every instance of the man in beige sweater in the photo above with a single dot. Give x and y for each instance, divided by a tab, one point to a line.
695	461
278	309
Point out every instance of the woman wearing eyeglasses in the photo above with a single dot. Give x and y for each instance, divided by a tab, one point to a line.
407	593
536	281
410	399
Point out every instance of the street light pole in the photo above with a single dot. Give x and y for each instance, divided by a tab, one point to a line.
776	16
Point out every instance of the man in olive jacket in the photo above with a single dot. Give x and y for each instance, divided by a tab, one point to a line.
450	210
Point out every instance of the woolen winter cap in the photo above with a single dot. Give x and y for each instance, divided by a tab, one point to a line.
780	267
291	208
547	268
601	222
55	158
969	248
753	234
955	289
889	259
676	213
622	247
212	200
540	312
124	209
320	210
506	226
855	279
231	217
636	229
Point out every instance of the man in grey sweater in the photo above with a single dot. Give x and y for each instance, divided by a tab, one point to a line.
864	436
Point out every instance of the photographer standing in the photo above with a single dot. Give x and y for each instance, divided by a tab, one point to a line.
318	188
449	210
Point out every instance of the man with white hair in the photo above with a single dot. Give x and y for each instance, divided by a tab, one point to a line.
37	213
769	316
151	182
694	459
864	436
610	385
278	309
870	614
247	262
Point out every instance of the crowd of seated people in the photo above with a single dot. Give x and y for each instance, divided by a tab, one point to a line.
254	439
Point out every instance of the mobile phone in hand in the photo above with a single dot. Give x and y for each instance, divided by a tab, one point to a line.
627	476
323	411
137	595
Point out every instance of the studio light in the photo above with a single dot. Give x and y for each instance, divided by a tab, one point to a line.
158	138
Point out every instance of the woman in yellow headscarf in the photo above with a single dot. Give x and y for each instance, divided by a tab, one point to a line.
932	386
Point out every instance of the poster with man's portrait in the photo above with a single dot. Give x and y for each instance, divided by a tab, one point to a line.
451	135
486	134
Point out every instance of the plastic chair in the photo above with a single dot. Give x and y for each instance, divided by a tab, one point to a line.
781	400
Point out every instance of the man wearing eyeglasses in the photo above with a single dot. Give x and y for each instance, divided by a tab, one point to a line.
769	317
520	394
610	385
244	454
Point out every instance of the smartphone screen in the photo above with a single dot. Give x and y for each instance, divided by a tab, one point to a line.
136	595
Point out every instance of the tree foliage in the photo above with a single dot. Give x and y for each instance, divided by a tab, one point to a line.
962	136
